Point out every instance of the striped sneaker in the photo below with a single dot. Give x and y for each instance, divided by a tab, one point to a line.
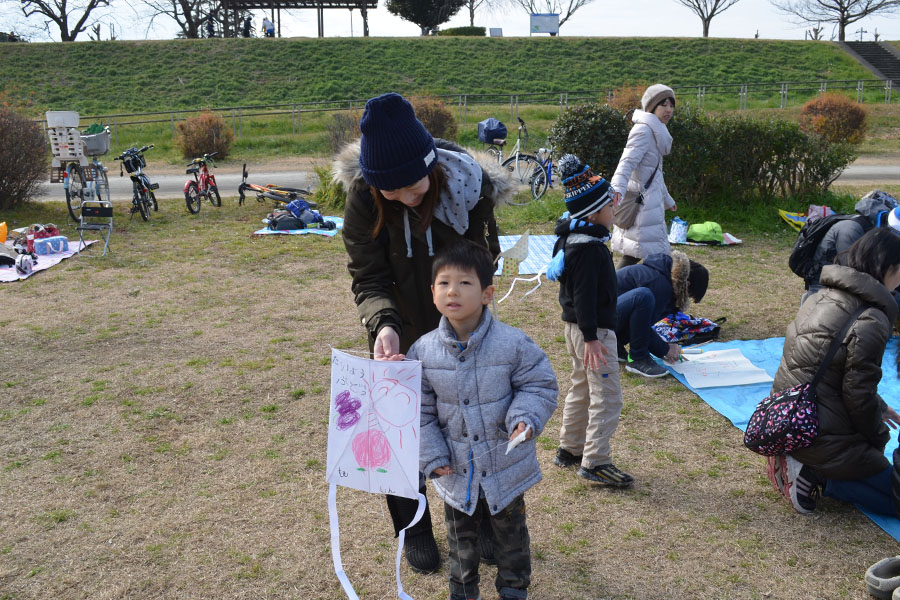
607	475
800	485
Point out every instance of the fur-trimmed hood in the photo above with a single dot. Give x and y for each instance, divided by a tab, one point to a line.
496	181
676	268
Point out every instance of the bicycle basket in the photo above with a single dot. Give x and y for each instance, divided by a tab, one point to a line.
134	162
96	144
491	129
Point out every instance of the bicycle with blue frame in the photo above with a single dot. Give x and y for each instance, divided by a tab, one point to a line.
544	180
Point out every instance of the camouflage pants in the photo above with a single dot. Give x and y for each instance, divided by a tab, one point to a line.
512	549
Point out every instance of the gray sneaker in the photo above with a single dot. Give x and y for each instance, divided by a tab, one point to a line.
646	367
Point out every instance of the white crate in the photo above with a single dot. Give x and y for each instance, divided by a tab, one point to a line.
62	118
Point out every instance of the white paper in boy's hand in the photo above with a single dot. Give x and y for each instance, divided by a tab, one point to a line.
518	439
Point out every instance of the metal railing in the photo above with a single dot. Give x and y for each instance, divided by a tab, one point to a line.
740	91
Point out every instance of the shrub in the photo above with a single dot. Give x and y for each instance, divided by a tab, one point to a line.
834	117
343	127
205	133
595	132
435	116
24	159
471	31
329	194
727	158
627	97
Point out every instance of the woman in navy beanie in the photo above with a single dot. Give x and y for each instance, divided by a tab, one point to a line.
408	196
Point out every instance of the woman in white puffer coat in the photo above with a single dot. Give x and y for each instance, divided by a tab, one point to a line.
641	168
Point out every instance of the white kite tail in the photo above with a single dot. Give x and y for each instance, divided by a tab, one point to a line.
336	545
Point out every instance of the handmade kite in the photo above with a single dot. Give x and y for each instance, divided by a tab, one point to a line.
373	438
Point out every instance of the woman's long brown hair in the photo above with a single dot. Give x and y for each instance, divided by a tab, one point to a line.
389	210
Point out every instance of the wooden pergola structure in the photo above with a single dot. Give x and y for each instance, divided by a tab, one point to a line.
275	7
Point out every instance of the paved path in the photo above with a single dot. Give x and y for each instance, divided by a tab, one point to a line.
171	182
172	186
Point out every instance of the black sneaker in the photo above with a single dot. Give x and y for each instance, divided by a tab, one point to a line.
645	367
607	475
801	486
565	459
422	553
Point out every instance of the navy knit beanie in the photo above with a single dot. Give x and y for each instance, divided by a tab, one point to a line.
586	193
395	150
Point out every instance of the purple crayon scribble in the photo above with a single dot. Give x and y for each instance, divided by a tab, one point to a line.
346	408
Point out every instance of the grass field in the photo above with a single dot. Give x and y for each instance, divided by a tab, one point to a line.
128	76
162	433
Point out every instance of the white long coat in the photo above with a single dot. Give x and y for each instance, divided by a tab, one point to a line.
648	142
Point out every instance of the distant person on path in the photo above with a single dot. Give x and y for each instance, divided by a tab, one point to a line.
648	142
245	30
268	27
210	26
484	383
662	285
409	196
587	294
846	459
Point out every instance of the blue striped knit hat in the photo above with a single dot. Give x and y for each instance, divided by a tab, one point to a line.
586	193
395	150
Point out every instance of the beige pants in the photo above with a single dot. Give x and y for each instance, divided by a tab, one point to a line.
594	402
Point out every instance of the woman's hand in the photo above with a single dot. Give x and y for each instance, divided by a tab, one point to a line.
387	345
594	355
441	471
674	207
617	198
519	429
891	418
673	353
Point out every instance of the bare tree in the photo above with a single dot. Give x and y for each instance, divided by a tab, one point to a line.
473	5
839	12
707	9
63	12
814	33
188	14
563	8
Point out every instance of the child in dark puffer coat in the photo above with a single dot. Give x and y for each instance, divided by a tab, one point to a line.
587	294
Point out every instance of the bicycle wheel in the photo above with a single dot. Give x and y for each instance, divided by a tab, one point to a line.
152	198
522	167
539	185
75	191
143	204
192	198
213	195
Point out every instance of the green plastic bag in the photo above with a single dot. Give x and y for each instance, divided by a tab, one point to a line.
94	128
709	231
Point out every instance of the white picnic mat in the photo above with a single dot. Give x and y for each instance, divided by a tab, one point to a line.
540	251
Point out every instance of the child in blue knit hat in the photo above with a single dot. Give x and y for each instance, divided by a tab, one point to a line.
587	294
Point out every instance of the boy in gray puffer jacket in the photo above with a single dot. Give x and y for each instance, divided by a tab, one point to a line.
484	384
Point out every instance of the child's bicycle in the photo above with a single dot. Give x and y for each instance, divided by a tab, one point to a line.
281	196
142	197
203	185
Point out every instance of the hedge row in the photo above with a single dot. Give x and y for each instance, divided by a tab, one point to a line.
712	157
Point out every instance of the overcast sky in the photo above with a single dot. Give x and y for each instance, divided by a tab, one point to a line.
606	18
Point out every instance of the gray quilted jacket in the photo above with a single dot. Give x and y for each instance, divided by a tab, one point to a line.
471	400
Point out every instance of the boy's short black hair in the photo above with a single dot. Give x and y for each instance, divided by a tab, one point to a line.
468	256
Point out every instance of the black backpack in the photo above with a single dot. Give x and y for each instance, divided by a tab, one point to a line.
801	260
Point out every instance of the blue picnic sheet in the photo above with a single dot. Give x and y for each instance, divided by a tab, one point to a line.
326	232
737	403
540	251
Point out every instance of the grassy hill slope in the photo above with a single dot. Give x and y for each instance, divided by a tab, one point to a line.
120	76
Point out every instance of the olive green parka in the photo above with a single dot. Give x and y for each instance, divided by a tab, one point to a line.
389	286
852	433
